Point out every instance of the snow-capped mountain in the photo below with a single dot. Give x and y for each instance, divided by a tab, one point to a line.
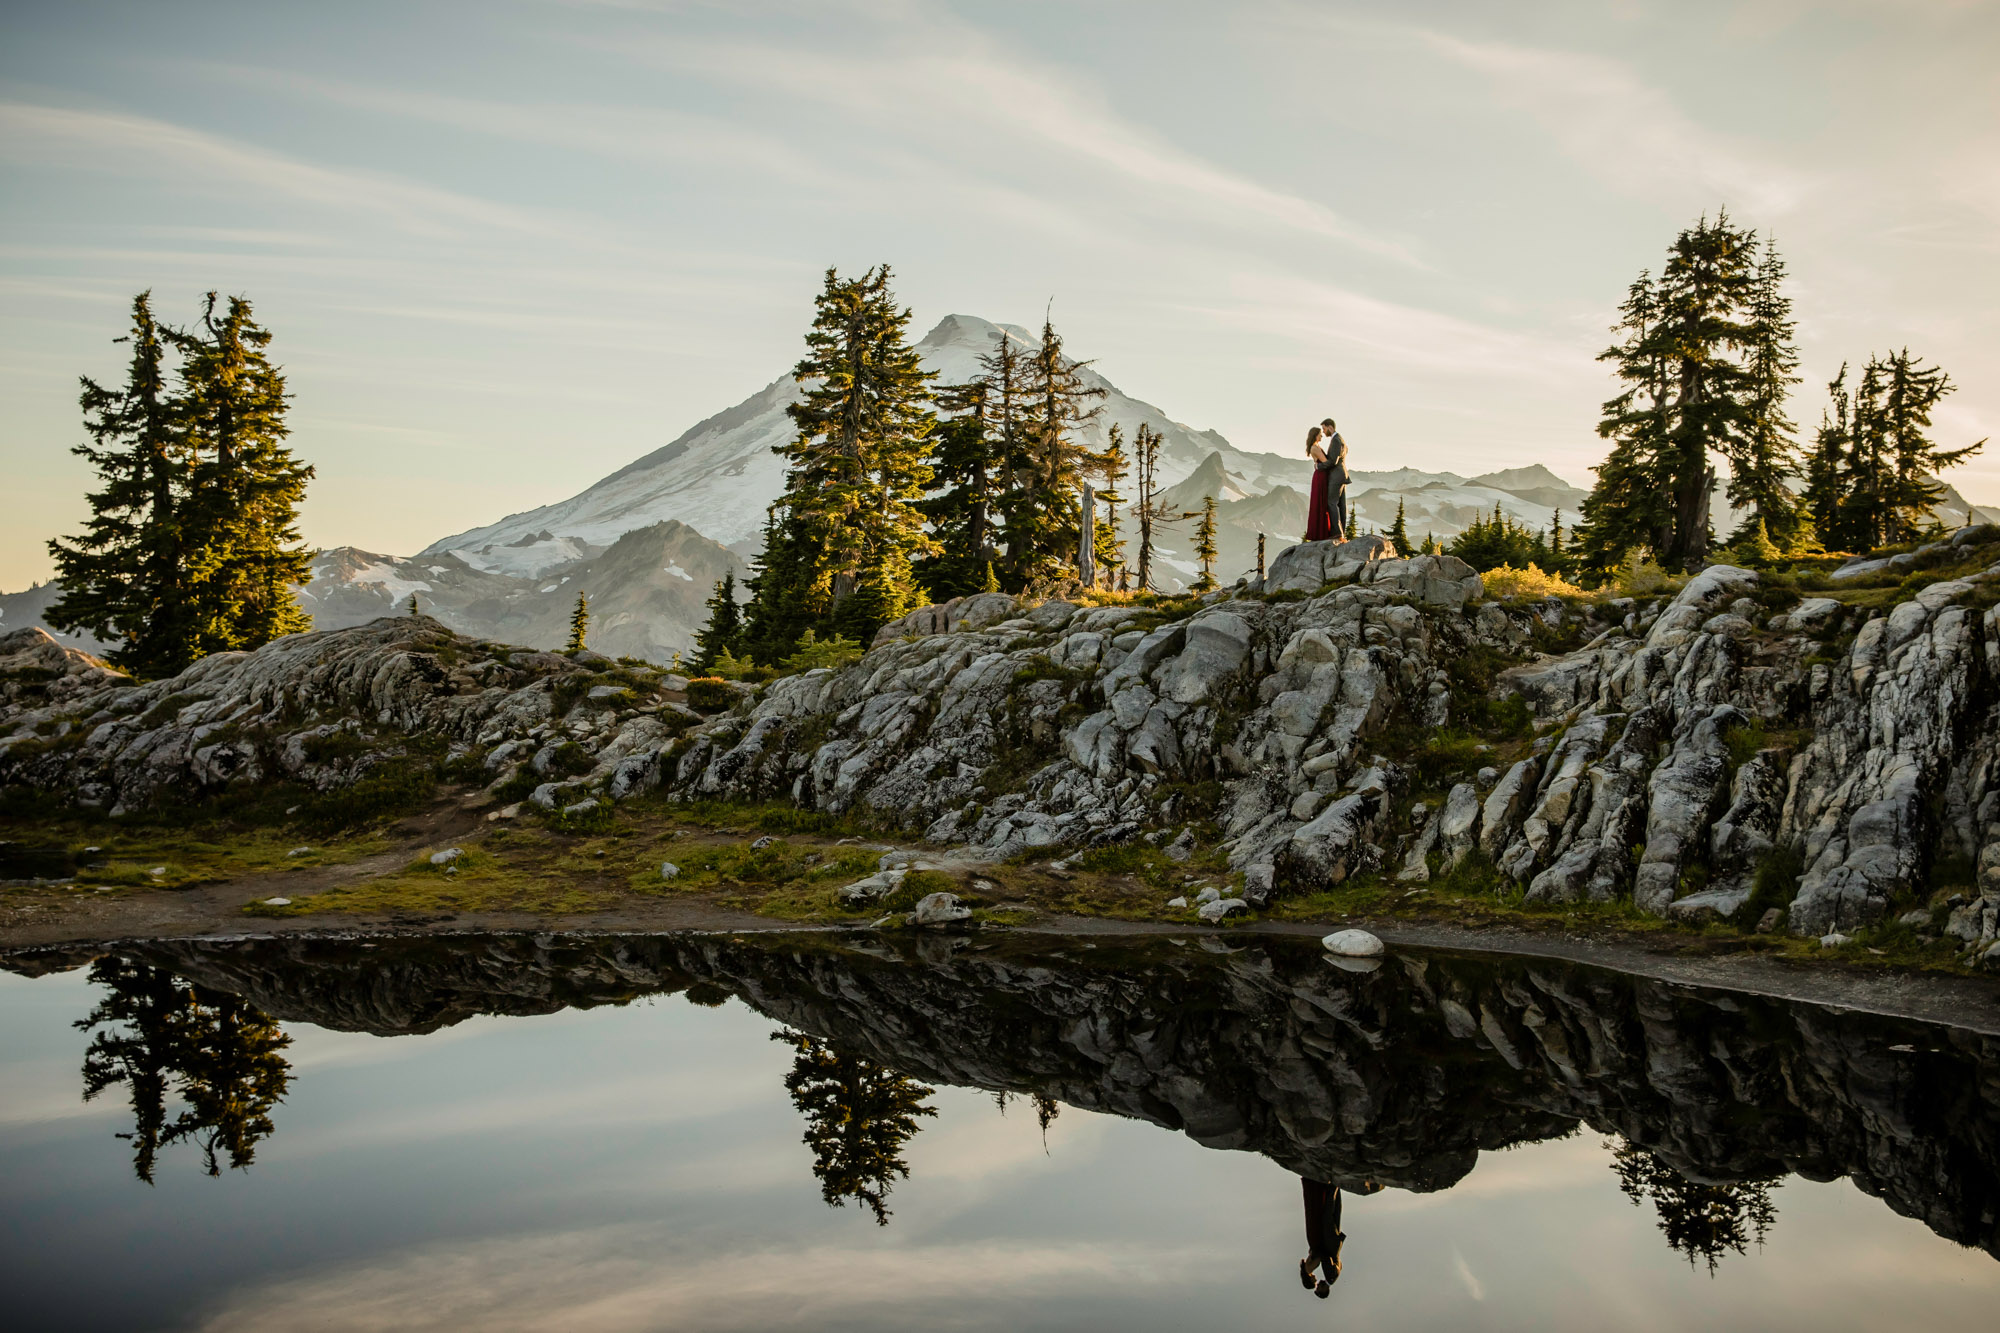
647	592
722	474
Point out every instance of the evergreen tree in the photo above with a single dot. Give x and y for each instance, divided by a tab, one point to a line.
1111	468
1888	478
1204	545
1705	356
414	609
1763	455
244	486
1399	535
192	546
991	583
1700	1221
857	467
724	630
1488	543
125	579
965	463
1558	555
887	591
1827	461
164	1038
579	624
1042	508
1146	506
859	1116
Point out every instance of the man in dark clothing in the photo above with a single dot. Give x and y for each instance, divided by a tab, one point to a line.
1323	1237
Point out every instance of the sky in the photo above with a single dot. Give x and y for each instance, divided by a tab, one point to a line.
507	246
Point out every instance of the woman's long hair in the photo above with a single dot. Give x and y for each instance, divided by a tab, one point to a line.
1312	438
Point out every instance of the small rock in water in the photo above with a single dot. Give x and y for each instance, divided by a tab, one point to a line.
1177	902
277	902
668	870
762	843
1834	940
447	856
1209	895
299	851
1353	944
940	909
1215	911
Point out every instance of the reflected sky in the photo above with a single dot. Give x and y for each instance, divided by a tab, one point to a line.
641	1167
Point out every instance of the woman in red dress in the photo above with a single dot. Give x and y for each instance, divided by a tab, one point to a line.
1319	515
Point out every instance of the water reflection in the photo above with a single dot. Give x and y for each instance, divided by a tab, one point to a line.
859	1114
1703	1222
167	1040
1398	1077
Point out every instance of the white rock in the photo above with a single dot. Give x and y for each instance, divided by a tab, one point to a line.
1834	940
277	902
1178	902
299	851
1208	895
761	843
1213	912
447	856
1353	944
668	870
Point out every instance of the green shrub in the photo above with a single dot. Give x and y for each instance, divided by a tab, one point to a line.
568	760
1744	741
1776	883
710	694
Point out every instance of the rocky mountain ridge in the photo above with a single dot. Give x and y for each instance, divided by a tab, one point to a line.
1730	749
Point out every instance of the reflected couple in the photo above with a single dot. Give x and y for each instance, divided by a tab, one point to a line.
1320	1269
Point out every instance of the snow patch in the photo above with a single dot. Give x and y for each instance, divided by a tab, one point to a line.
680	573
388	580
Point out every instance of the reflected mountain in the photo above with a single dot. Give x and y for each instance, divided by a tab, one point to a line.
1397	1077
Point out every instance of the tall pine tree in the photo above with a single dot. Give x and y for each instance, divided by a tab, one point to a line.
856	469
1042	508
193	545
245	485
1705	356
965	463
125	578
1204	545
1888	478
724	631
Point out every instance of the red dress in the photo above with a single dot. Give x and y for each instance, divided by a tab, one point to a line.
1319	515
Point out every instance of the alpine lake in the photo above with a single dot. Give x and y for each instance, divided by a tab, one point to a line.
883	1131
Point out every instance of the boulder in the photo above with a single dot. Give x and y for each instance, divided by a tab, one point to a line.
940	909
1353	944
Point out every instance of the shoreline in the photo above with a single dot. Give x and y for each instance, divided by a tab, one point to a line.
1967	1003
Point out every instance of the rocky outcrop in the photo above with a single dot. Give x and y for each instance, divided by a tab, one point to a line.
1401	1075
324	710
1726	746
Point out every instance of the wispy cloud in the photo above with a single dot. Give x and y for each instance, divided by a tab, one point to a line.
1626	131
937	78
143	146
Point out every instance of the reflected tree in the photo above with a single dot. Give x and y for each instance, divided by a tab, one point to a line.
170	1041
1701	1221
859	1114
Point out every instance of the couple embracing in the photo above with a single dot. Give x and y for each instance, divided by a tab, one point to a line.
1326	506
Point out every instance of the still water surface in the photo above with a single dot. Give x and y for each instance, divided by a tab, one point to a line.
715	1133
